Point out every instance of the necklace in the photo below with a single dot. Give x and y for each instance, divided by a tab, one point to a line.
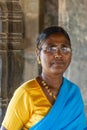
48	89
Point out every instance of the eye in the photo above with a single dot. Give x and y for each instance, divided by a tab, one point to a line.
51	49
65	49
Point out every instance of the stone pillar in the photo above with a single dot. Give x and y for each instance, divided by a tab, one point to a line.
3	58
31	13
15	45
11	51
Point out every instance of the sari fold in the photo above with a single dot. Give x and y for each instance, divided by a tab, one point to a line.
67	113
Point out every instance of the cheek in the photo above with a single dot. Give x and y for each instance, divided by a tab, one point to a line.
45	60
68	60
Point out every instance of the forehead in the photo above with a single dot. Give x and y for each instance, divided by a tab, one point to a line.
57	38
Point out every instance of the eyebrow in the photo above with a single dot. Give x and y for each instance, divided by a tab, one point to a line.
65	45
54	44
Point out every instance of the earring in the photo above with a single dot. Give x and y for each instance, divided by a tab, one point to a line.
38	60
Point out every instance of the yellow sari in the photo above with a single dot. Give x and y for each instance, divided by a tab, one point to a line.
27	107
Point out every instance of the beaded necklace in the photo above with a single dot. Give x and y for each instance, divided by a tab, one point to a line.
48	89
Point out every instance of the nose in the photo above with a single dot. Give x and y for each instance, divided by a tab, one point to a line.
58	54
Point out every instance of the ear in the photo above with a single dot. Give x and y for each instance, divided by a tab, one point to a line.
37	52
38	56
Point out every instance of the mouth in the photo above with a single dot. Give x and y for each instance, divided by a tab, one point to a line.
58	63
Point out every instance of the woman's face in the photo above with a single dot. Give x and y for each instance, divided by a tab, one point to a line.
55	55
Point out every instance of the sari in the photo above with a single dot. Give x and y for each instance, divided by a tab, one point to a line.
67	113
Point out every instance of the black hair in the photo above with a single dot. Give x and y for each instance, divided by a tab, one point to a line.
49	31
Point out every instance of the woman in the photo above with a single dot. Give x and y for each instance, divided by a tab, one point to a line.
50	101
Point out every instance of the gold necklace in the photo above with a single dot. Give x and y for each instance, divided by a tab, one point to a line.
48	89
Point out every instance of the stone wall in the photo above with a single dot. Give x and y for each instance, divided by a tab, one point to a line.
74	20
18	31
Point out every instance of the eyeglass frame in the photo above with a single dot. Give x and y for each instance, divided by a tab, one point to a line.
56	49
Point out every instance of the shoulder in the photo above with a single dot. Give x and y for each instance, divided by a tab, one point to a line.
23	94
27	86
72	86
73	90
25	91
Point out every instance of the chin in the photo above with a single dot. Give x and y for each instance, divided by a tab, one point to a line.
57	72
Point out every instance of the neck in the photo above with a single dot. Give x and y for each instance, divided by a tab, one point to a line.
53	81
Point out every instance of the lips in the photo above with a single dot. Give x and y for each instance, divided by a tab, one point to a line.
58	63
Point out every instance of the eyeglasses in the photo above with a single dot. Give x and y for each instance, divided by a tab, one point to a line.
52	50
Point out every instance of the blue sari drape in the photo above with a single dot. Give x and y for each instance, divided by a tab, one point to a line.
67	113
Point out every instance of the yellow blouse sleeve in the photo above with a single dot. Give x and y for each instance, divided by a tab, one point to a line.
18	111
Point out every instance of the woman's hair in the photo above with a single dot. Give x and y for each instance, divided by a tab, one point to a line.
49	31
